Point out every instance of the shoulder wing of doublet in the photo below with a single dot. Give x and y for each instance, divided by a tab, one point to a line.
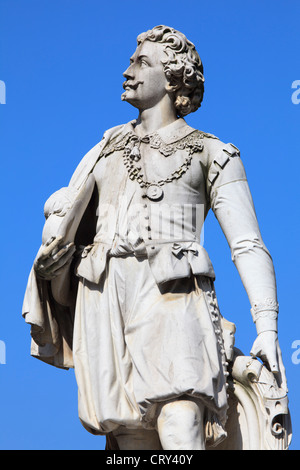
218	155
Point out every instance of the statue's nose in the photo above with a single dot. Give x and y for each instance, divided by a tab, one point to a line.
128	73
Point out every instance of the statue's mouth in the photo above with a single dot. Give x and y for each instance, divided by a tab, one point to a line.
131	85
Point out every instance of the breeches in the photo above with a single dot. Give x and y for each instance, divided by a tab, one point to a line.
137	344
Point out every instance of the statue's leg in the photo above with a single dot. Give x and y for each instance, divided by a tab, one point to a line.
137	439
180	425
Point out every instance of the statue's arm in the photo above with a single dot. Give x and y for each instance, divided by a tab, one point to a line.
56	253
232	204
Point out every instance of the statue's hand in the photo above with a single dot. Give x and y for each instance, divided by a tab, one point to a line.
266	347
53	258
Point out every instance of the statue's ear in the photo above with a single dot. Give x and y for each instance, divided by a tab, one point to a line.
171	88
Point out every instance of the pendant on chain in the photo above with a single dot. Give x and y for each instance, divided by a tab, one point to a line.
154	192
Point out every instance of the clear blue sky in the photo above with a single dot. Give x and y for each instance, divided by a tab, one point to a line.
62	64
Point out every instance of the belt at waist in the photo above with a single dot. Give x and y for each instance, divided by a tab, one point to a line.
122	247
168	259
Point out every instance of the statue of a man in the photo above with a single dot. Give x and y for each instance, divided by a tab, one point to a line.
122	289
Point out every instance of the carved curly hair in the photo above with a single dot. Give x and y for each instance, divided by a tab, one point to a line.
183	67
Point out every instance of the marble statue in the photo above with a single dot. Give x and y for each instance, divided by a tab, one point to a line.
123	291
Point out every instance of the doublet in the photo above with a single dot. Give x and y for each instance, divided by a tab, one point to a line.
171	228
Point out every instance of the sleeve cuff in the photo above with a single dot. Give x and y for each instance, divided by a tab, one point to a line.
266	324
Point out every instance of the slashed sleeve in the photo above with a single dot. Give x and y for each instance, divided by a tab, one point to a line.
232	204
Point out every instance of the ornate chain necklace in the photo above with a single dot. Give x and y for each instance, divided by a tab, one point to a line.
154	190
130	143
193	143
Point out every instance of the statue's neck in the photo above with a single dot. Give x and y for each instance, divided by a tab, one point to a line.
152	119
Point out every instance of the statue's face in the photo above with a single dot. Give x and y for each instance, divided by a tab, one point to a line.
146	82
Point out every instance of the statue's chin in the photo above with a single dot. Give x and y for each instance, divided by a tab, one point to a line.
129	100
125	97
